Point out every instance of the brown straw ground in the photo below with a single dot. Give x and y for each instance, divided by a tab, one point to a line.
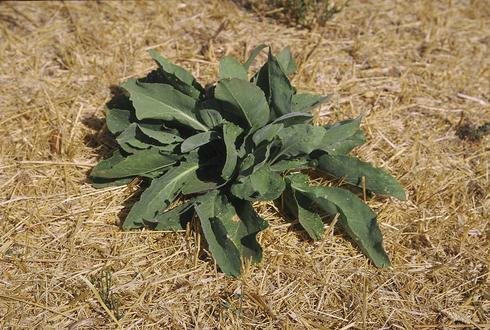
416	69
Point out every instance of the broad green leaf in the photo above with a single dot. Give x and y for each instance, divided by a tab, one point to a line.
291	164
353	170
246	101
230	228
305	102
244	232
247	164
197	140
99	183
142	162
118	113
303	209
163	137
205	177
253	55
159	101
230	134
136	138
128	142
214	211
174	219
210	117
158	196
261	185
294	118
276	86
178	77
262	154
342	137
299	140
229	68
356	218
266	133
286	61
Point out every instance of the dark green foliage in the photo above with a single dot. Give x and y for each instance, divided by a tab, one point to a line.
241	141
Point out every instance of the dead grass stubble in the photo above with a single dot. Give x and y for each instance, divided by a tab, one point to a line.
415	69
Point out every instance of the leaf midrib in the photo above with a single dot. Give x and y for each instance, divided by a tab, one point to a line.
176	110
238	102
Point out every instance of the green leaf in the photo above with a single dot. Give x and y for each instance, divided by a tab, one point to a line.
163	137
214	210
294	118
303	209
128	142
299	140
210	117
136	138
286	61
342	137
356	218
99	183
197	140
299	163
158	101
253	55
305	102
267	133
118	113
261	185
229	68
244	232
174	219
246	101
230	228
276	86
178	77
118	166
161	192
230	134
352	170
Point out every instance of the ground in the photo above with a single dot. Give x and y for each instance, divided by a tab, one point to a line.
417	70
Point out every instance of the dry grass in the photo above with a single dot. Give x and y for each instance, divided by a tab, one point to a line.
415	69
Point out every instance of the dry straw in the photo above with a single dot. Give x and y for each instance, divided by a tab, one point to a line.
416	68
